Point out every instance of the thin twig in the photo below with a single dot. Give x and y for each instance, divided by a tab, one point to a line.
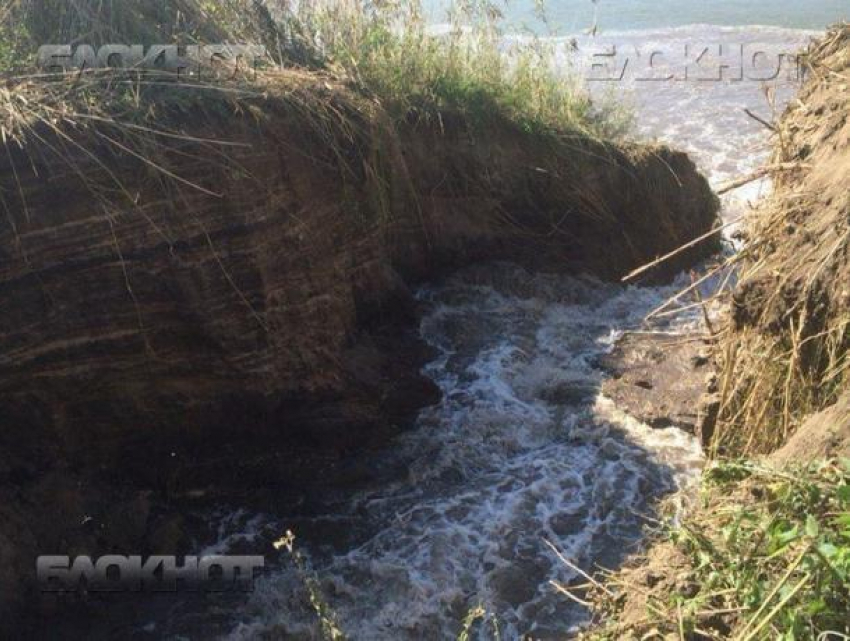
759	173
561	589
575	568
696	241
760	120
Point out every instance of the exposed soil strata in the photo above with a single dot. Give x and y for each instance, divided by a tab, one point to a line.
821	436
204	326
786	355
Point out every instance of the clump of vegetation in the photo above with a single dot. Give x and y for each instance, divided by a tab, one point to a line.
386	49
766	556
27	24
391	52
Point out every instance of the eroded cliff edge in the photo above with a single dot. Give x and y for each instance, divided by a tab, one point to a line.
201	288
785	356
722	568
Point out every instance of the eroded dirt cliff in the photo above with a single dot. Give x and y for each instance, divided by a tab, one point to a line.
223	306
785	356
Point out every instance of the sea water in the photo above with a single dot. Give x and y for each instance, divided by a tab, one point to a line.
574	16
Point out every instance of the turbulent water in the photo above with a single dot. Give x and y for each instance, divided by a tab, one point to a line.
523	449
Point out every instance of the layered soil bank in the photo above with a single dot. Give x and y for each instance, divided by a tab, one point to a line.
223	307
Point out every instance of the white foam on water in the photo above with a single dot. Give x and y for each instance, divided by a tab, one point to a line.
523	448
235	528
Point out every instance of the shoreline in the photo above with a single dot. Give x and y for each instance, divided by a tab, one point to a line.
209	302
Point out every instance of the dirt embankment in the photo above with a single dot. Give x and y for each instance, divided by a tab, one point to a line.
225	309
786	355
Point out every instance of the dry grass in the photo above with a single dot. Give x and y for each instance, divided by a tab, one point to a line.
344	69
96	128
787	354
383	49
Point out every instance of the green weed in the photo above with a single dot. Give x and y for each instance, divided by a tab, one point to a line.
766	556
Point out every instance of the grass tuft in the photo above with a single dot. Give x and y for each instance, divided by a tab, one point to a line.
765	556
385	49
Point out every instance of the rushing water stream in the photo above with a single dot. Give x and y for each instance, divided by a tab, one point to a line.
522	449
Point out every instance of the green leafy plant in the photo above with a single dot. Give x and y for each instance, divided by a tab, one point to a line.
766	556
